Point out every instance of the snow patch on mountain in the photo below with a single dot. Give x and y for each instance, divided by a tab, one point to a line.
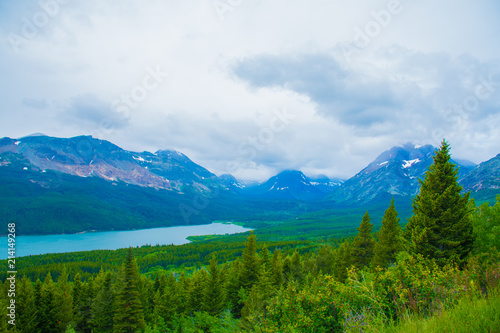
410	163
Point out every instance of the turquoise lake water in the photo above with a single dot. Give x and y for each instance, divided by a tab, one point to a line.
112	240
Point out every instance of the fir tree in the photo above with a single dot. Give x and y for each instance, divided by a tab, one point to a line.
48	306
213	296
343	260
166	300
440	227
27	311
232	287
296	270
102	306
324	260
389	242
128	308
64	300
83	315
250	263
363	244
277	269
197	286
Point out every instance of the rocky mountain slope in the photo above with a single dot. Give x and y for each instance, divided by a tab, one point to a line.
485	176
395	172
85	156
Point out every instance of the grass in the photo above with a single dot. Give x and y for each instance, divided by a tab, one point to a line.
468	316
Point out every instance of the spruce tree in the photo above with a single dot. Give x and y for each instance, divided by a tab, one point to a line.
232	287
48	306
389	242
83	315
102	306
214	293
342	261
440	227
64	300
128	308
27	311
277	269
363	244
250	263
166	301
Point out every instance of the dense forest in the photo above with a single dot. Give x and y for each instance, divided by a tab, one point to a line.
439	273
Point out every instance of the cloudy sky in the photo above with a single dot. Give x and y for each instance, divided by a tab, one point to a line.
256	87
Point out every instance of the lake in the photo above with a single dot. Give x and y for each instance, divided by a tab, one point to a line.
112	240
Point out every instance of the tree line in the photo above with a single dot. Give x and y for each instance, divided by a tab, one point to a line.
447	251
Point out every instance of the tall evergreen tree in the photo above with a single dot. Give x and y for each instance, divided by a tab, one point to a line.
166	300
102	306
214	294
363	244
389	241
83	314
27	311
128	308
250	263
48	306
64	300
342	261
232	287
440	227
277	269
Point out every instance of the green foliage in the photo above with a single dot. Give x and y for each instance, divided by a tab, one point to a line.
389	242
27	311
469	315
250	263
128	315
102	306
363	244
486	224
213	296
309	309
342	261
440	227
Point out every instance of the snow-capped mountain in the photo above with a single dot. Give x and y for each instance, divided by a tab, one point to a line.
394	172
231	182
289	184
325	184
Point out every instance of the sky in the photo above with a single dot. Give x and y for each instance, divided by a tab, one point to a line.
252	88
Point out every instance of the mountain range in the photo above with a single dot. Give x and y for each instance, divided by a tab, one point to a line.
47	174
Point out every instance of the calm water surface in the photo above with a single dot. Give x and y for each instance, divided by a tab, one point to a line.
112	240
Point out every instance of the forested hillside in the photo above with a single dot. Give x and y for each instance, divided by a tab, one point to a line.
444	261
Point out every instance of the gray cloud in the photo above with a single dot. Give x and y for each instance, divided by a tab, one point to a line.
97	113
227	77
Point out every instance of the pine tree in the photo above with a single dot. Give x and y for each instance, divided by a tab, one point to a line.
250	263
128	308
296	269
389	242
197	286
232	287
342	261
440	227
166	300
27	311
277	269
324	260
363	244
48	306
213	296
102	306
64	300
83	314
